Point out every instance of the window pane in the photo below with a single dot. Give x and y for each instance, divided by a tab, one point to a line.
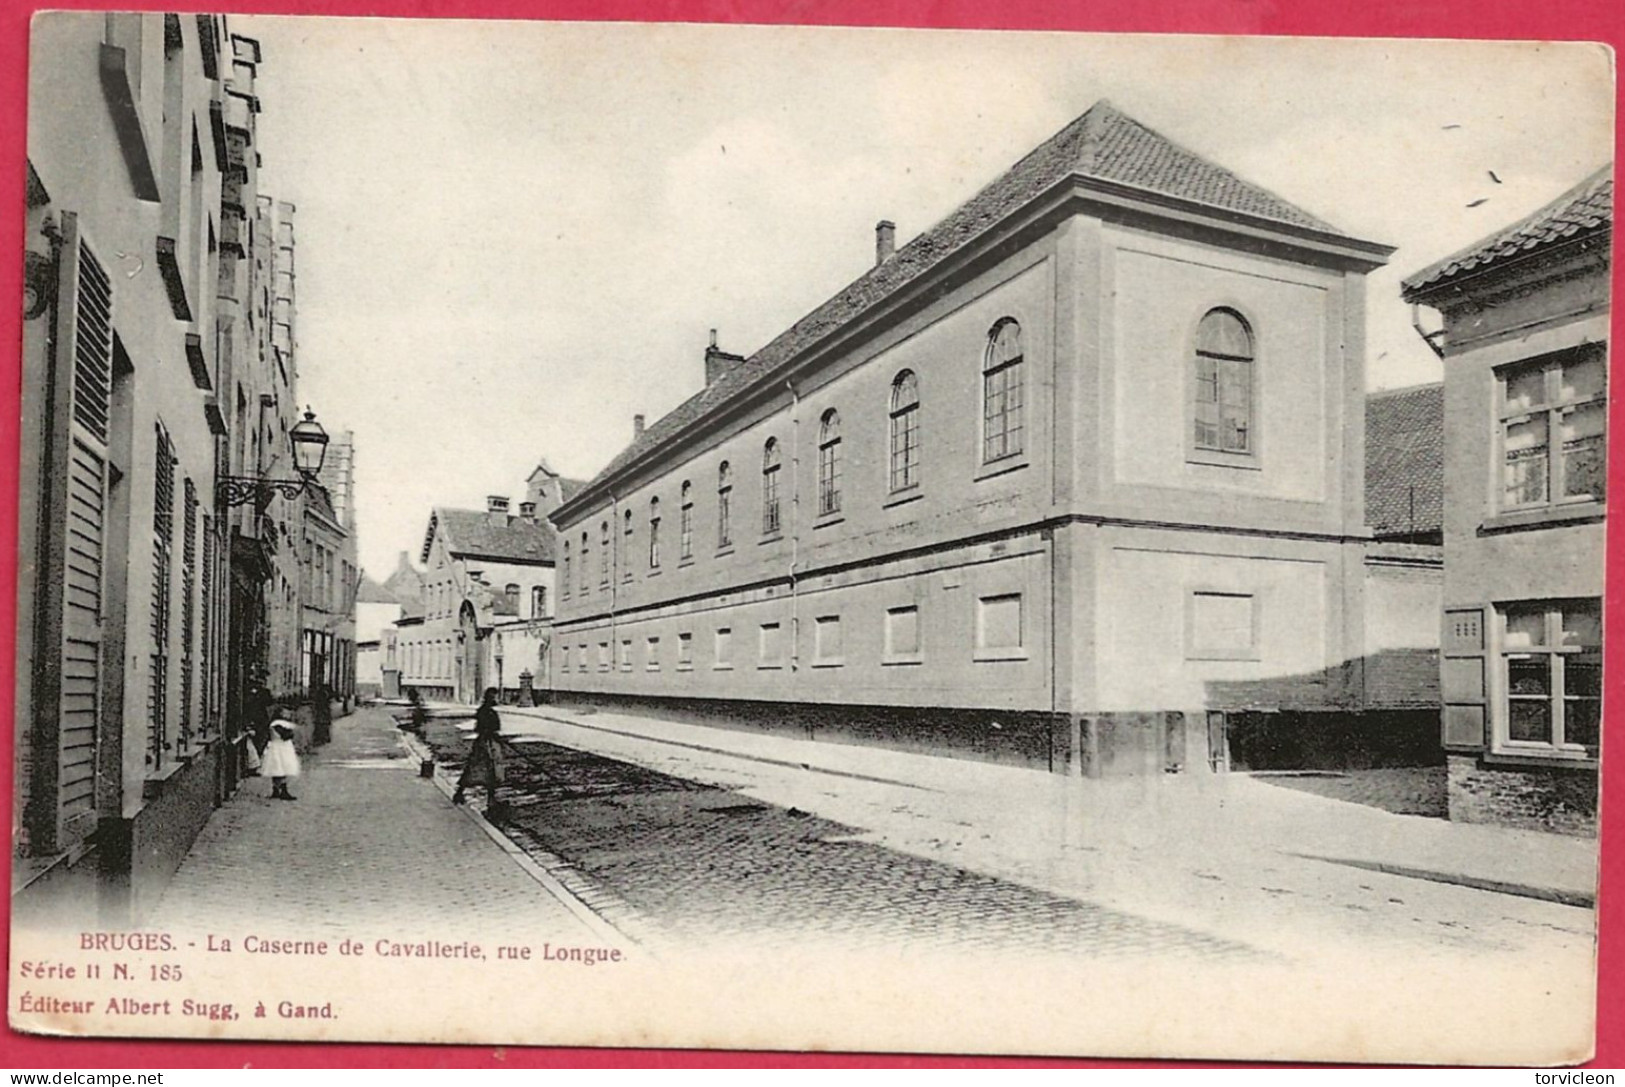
1525	388
1526	626
1580	718
1584	378
1582	626
1582	678
1530	721
1529	676
1526	461
1585	459
1235	404
1223	333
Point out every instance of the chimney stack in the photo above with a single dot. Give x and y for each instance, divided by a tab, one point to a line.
527	510
637	426
718	361
885	240
497	506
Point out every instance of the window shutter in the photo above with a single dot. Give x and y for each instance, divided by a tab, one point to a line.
74	501
1464	680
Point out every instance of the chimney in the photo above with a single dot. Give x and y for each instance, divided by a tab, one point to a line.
497	506
637	426
885	240
718	361
527	510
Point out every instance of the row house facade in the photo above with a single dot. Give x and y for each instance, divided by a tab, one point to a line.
157	361
1073	480
481	568
1524	338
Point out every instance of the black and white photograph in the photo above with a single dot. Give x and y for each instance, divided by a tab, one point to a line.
793	538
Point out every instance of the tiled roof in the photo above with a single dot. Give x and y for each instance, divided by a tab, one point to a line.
569	488
371	592
1404	461
1584	209
505	538
1103	143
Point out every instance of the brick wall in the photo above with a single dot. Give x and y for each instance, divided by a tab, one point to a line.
1539	798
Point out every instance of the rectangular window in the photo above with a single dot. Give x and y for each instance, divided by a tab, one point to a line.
770	646
651	654
685	651
827	648
1553	429
1551	659
999	627
626	654
654	543
1002	411
723	657
685	533
1221	625
603	656
902	636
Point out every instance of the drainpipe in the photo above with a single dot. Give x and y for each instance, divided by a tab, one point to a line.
795	523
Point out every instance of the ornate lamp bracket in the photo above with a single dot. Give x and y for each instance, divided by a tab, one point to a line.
238	490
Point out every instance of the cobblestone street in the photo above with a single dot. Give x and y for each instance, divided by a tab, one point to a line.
700	864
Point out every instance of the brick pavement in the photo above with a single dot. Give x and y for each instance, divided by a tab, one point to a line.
367	843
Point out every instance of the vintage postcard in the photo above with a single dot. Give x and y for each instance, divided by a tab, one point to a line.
791	538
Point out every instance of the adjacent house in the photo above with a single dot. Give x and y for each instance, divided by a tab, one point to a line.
1524	340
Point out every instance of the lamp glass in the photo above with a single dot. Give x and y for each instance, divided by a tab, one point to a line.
309	442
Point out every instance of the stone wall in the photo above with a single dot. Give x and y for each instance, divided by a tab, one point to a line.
1557	799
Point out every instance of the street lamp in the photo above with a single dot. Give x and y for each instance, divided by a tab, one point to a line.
309	443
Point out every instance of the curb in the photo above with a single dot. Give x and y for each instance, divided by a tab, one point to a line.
599	909
1577	899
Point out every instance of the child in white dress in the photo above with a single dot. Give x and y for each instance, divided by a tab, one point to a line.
280	760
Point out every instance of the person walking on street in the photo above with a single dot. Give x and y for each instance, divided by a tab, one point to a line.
484	763
281	759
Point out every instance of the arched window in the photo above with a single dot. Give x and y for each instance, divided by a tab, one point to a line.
538	602
654	533
1224	384
770	487
829	463
603	554
725	487
1003	393
586	576
626	550
685	524
905	431
565	581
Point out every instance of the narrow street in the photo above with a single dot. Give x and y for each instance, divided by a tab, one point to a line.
368	843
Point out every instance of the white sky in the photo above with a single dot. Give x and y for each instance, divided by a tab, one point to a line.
513	236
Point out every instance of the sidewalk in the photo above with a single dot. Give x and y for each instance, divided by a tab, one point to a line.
1225	854
368	844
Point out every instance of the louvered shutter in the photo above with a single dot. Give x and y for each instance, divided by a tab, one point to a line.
163	535
71	598
1463	680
